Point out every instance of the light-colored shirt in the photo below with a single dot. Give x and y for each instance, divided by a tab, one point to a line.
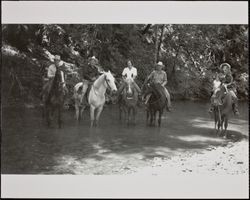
216	84
51	71
158	76
130	73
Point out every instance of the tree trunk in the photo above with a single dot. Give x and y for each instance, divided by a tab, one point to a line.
146	29
160	42
156	43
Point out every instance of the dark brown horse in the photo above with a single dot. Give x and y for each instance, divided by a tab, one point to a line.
54	99
156	102
222	104
128	102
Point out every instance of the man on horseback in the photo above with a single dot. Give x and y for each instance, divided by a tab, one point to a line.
227	82
159	76
129	72
57	65
90	73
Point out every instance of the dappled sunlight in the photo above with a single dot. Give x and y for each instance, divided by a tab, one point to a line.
198	138
202	122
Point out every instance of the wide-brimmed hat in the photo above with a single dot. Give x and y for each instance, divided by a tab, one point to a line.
225	65
160	64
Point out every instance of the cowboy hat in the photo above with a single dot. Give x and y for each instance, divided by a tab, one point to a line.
160	64
225	64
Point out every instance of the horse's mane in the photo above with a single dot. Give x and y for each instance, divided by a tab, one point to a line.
157	90
98	80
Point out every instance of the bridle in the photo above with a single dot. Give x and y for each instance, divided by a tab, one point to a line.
152	93
107	82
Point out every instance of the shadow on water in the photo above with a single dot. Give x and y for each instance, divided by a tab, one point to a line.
29	147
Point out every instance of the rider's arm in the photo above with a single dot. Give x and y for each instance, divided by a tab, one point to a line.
165	80
135	74
150	77
124	73
63	81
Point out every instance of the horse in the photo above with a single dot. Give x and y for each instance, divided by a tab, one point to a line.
156	102
79	98
96	97
222	109
54	99
128	101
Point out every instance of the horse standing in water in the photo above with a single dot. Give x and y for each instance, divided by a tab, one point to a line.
80	99
156	102
128	101
221	111
96	97
54	99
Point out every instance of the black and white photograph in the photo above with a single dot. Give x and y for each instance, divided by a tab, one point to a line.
126	99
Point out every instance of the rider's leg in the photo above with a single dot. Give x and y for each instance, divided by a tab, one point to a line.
212	98
47	89
168	98
137	88
225	85
147	98
235	102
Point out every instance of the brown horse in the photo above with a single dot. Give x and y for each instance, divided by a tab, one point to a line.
222	103
128	102
54	99
156	102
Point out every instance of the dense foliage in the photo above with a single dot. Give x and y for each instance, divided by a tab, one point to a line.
191	54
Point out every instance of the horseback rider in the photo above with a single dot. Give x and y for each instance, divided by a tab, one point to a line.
159	76
129	72
57	65
90	73
227	82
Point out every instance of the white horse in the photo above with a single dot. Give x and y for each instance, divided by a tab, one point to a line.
79	95
96	97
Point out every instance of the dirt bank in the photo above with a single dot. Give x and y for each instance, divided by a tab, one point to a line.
231	159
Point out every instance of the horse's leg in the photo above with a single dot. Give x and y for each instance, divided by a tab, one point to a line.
159	118
222	126
129	114
120	113
92	115
125	111
218	127
134	114
59	120
154	121
148	115
47	114
99	111
81	111
77	112
151	117
225	125
215	120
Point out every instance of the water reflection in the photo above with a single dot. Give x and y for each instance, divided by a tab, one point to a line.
29	147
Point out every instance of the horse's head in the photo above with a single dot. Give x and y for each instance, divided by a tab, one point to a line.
146	89
110	81
129	87
218	95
